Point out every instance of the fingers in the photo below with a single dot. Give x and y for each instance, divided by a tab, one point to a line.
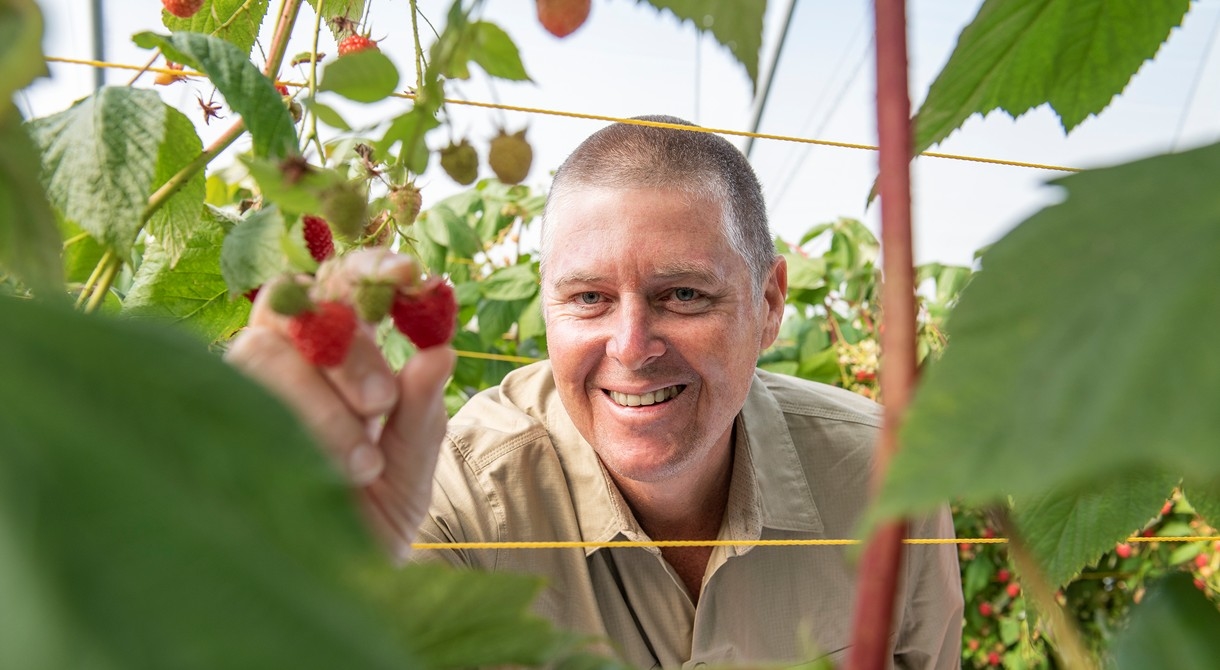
269	358
410	443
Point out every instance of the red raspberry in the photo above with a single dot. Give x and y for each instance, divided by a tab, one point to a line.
1201	560
985	609
1003	575
1014	589
427	317
324	334
353	43
318	238
1123	550
183	9
993	658
562	17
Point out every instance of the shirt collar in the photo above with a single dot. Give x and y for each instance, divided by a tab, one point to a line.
768	484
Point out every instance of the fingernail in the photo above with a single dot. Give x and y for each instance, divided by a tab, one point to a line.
364	464
378	392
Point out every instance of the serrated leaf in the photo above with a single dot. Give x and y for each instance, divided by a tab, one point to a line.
364	76
234	21
191	293
178	219
29	239
496	52
348	9
805	272
1060	370
514	282
1015	55
247	91
736	24
21	59
99	158
410	129
253	252
1205	498
1069	530
1174	626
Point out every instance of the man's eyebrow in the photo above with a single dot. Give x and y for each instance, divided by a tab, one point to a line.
671	272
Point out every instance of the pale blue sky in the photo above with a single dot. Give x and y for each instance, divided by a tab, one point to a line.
628	60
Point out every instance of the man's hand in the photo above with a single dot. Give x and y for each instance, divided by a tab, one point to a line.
382	429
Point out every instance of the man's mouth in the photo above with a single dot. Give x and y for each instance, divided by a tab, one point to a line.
650	398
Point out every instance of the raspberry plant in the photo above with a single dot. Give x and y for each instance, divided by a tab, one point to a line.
1051	416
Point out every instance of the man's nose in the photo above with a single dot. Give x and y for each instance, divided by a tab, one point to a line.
634	342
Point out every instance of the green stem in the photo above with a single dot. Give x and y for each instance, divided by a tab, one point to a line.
1068	643
104	282
313	83
283	30
89	283
419	51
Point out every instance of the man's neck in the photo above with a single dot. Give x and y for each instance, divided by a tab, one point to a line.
688	507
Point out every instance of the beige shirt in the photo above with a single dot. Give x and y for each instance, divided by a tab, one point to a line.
515	469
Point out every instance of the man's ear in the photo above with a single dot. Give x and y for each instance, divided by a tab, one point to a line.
775	294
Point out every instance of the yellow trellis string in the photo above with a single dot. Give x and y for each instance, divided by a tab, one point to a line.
610	119
750	543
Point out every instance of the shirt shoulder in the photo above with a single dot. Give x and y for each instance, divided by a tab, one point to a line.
805	398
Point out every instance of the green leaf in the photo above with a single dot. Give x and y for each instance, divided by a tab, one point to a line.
1069	530
234	21
296	193
328	115
496	53
348	9
253	252
410	129
805	272
1205	498
530	323
817	363
514	282
99	159
364	76
247	91
736	24
1075	55
178	219
21	59
496	317
1173	627
178	516
192	293
29	239
81	252
464	619
1068	361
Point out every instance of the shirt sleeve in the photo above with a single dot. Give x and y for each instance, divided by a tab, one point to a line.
461	511
930	632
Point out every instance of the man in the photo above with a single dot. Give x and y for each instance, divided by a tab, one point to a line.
649	421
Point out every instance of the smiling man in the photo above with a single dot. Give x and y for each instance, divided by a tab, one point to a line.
649	421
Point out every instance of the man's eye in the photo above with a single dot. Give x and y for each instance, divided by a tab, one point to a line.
588	298
685	294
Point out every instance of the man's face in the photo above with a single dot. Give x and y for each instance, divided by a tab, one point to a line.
652	327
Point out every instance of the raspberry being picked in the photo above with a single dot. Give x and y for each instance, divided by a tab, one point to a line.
427	316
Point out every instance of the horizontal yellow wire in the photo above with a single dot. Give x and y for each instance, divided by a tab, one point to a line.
497	357
615	119
746	543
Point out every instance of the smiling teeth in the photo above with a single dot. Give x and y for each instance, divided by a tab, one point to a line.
650	398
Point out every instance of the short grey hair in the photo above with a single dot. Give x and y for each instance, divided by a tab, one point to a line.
702	164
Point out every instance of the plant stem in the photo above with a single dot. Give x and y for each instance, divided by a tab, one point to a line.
89	283
104	282
419	52
1069	646
881	563
279	41
180	178
313	83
